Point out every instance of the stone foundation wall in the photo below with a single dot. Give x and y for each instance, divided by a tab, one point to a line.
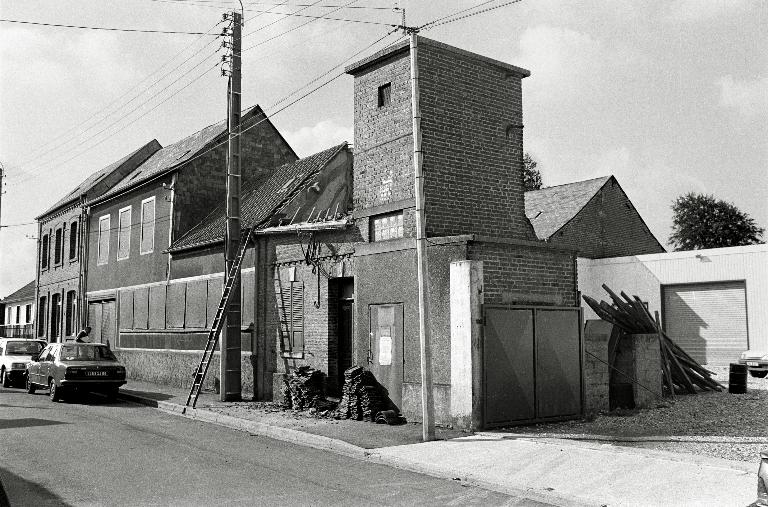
597	375
647	369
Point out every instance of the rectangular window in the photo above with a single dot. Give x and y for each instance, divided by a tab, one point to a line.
69	324
72	240
55	316
42	311
385	95
28	314
44	252
124	233
384	227
102	255
18	315
57	247
291	299
147	225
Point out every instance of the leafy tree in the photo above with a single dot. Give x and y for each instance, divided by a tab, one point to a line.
701	221
531	176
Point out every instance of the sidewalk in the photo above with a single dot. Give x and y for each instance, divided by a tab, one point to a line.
551	470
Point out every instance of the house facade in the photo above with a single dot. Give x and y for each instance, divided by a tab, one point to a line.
61	240
330	280
17	313
131	226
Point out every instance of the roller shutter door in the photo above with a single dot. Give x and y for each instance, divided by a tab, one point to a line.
709	321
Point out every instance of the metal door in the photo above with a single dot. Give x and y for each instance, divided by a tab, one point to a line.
107	322
532	364
386	348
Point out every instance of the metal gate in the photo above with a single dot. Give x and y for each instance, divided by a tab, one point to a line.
532	364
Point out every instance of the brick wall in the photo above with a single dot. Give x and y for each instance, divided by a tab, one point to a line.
609	226
522	274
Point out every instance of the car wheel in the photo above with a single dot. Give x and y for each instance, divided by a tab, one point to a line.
30	386
5	380
54	391
758	374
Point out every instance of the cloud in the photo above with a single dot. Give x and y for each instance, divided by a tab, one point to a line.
309	140
749	97
699	10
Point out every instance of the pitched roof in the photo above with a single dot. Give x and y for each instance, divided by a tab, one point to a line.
260	203
25	293
549	209
87	184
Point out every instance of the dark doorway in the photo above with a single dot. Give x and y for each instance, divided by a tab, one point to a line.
343	289
55	316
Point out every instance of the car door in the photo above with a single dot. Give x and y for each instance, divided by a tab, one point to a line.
34	367
46	364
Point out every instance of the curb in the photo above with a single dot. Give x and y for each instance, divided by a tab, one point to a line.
344	448
708	439
253	427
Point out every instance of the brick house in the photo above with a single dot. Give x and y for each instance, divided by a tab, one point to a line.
330	280
61	233
130	226
594	216
17	313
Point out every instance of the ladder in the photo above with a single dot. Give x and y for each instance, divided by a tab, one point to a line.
217	325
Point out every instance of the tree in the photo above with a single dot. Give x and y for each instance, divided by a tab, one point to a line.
531	177
701	221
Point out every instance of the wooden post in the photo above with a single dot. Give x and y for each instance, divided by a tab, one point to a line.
427	402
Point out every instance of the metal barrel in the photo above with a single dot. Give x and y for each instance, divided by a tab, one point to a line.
737	379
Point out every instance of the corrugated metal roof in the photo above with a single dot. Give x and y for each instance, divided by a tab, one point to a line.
549	209
259	204
90	181
25	293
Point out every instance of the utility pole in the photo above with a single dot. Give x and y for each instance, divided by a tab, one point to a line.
229	366
427	402
2	171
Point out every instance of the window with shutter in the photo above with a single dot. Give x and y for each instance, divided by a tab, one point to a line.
57	247
72	240
102	256
44	252
124	233
291	313
147	226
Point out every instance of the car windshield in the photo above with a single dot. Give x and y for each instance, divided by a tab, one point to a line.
23	348
86	353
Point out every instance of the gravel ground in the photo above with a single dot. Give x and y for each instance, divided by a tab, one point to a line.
719	424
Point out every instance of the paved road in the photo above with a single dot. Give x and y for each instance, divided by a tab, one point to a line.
91	452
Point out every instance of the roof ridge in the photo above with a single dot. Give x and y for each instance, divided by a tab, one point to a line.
571	183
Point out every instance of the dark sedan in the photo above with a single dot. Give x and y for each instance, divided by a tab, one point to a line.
66	367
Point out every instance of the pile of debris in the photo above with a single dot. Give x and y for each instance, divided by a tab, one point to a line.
303	388
680	371
363	398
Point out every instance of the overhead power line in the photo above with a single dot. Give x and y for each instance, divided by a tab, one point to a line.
140	30
221	4
456	16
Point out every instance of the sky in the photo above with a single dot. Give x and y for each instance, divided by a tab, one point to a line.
669	96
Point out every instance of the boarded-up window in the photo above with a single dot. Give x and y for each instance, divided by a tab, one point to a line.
72	240
157	307
175	303
140	308
196	299
126	309
247	284
102	255
147	225
215	290
290	299
124	233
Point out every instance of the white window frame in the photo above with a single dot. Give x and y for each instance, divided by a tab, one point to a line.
120	212
103	218
154	221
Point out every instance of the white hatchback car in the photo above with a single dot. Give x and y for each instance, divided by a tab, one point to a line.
15	353
756	361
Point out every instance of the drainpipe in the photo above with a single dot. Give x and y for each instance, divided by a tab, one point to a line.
172	188
37	279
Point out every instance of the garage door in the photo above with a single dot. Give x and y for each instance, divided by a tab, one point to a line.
709	321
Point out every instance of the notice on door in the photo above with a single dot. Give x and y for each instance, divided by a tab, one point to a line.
385	350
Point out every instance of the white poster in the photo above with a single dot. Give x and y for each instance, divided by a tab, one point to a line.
385	350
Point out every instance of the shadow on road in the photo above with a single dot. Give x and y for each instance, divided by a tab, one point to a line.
26	422
23	492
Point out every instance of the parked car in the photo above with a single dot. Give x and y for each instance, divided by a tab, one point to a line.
756	361
762	481
15	353
66	367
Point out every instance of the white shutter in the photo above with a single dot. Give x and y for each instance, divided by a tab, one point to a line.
709	321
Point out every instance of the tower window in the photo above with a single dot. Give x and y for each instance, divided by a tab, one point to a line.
385	94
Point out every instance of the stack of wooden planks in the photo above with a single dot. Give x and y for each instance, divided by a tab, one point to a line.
303	388
681	373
